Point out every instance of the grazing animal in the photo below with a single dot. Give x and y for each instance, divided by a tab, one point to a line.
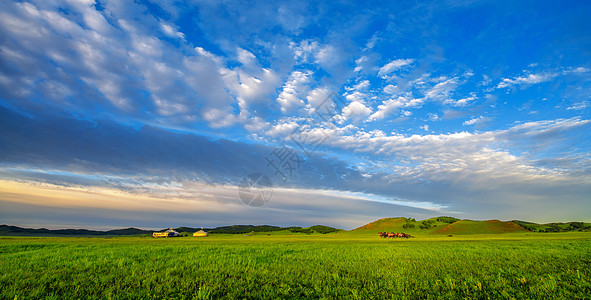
392	235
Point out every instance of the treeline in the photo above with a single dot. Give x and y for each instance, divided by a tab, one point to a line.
243	229
554	227
430	223
316	228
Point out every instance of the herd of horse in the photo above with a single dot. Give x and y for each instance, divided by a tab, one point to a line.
392	235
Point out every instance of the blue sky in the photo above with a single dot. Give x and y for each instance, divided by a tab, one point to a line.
150	114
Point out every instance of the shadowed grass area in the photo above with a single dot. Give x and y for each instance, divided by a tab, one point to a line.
332	266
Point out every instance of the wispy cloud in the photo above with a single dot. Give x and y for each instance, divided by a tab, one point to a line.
394	65
531	78
579	105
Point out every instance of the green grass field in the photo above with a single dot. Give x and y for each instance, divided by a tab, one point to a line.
340	265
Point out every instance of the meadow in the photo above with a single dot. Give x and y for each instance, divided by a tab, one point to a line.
340	265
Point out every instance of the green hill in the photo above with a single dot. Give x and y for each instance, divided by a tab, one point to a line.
439	225
385	224
480	227
407	225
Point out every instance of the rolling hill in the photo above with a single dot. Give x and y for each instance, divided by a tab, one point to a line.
385	224
480	227
440	225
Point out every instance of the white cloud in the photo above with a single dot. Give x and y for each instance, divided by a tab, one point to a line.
462	102
252	87
405	113
388	107
256	125
393	66
579	105
245	57
391	89
433	117
282	129
296	85
528	79
121	60
304	50
577	70
474	120
317	96
356	111
218	118
327	56
359	63
171	31
360	86
356	96
442	90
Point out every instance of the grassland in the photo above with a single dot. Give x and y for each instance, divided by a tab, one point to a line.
332	266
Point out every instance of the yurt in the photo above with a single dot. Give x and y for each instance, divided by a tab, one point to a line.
169	233
200	233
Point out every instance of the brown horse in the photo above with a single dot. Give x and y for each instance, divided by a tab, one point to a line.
393	235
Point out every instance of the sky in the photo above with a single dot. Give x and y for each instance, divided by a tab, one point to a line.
158	114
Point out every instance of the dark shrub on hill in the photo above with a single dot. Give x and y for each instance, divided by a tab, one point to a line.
448	220
323	229
426	224
301	230
576	225
241	229
408	226
554	228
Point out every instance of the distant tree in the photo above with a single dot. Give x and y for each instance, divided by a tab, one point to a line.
426	224
408	226
323	229
449	220
302	230
554	228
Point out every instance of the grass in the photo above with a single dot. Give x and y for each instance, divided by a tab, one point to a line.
331	266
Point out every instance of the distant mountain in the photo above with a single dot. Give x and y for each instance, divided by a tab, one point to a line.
19	231
6	230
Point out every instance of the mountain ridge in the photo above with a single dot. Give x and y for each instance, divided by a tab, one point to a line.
9	230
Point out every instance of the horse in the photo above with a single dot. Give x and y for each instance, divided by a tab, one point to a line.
393	235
